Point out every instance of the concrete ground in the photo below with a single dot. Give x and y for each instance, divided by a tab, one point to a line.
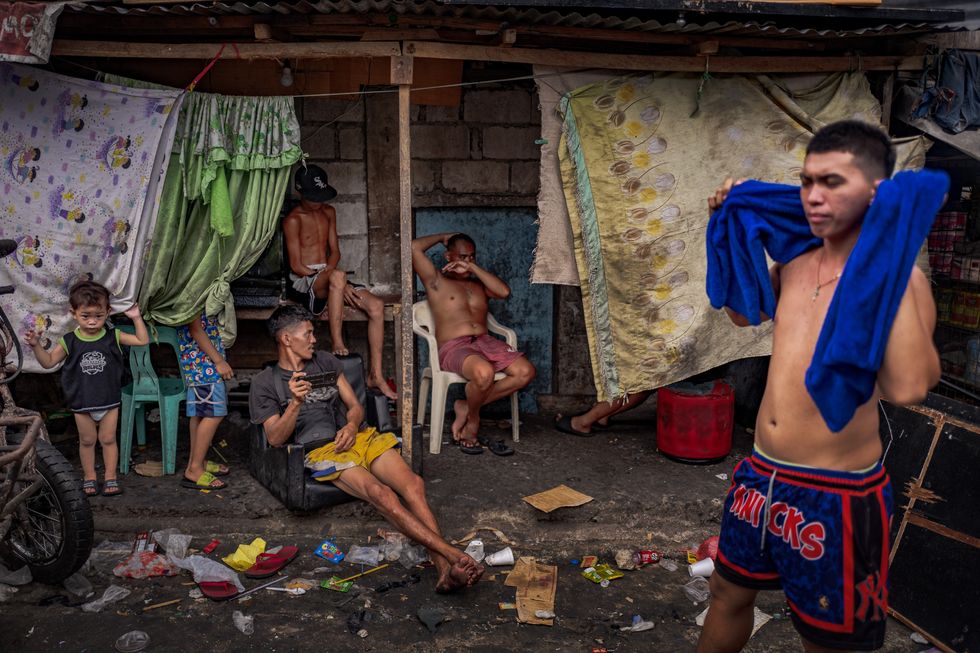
641	500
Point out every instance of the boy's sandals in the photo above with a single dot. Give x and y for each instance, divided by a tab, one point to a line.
217	469
90	487
111	488
207	481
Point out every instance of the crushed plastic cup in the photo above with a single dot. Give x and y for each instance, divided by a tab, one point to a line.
638	626
246	624
702	568
413	555
112	594
697	589
78	585
501	558
133	641
669	565
475	550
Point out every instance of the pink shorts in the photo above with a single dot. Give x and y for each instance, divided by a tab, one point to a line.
493	350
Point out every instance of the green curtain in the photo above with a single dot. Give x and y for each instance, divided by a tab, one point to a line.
220	203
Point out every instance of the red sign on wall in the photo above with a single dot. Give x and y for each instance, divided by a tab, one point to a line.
27	30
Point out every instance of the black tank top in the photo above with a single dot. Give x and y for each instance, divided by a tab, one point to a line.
92	373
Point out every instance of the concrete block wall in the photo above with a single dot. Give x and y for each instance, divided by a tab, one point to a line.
481	153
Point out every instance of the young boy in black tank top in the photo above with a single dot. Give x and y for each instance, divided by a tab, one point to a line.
92	377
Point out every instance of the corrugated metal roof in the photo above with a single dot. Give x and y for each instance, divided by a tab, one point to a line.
519	16
970	9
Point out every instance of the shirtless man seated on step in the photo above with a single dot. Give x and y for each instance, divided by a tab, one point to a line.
314	253
457	297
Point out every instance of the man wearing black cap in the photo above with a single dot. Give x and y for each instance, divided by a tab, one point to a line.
314	254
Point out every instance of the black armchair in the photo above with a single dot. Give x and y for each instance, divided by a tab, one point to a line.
280	469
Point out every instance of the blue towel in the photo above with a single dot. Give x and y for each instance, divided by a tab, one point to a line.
757	218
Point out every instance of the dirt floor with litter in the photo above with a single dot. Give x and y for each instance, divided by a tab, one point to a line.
641	500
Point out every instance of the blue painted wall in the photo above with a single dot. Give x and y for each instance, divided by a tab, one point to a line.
505	239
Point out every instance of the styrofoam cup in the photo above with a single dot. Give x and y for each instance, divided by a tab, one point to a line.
500	558
702	568
475	550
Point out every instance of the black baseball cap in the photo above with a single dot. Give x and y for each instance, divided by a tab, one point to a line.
310	182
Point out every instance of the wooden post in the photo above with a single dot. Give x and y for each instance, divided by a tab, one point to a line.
887	91
401	74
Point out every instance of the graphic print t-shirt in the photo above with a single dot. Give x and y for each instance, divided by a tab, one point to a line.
92	374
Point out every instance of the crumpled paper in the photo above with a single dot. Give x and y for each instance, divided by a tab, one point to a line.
245	555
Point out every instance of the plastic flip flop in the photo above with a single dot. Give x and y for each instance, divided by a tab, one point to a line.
268	564
473	449
496	447
565	426
219	590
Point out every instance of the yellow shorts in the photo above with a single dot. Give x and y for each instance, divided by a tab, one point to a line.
327	465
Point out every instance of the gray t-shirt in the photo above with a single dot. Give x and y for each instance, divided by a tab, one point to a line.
320	416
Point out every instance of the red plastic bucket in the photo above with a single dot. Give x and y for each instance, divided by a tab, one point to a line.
694	426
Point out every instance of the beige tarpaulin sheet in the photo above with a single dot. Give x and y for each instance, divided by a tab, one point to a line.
636	169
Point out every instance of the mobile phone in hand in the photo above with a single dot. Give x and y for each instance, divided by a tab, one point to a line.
321	380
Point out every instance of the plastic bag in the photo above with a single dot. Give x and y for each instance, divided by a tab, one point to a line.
112	594
145	564
246	624
21	576
364	555
78	585
206	570
413	555
173	541
394	543
6	591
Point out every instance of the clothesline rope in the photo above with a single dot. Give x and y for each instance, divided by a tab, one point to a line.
378	91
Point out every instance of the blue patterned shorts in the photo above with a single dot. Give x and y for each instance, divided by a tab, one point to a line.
207	400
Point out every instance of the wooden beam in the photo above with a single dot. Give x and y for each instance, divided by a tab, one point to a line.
67	48
407	364
725	64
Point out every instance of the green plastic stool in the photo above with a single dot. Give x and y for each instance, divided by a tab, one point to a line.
148	388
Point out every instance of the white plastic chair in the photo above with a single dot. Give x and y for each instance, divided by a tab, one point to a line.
424	326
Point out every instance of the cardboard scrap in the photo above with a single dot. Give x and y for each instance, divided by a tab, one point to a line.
153	468
536	585
557	497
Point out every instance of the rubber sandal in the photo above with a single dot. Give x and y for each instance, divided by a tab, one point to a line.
268	564
218	590
216	469
565	426
470	449
207	481
111	488
90	488
496	447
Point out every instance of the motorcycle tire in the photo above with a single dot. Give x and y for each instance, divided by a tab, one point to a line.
62	510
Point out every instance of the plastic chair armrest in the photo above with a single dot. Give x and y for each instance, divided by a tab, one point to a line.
510	336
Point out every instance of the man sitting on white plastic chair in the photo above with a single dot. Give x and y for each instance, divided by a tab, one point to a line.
458	295
369	466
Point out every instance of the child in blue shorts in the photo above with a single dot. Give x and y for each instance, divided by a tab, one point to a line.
202	362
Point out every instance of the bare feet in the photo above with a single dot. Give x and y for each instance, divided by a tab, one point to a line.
461	409
340	349
467	434
581	425
463	573
380	384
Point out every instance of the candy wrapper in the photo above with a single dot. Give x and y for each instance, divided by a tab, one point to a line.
602	574
336	584
329	551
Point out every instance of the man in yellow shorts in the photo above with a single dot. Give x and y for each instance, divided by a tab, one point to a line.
306	398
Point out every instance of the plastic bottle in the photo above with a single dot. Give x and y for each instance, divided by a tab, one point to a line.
78	585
